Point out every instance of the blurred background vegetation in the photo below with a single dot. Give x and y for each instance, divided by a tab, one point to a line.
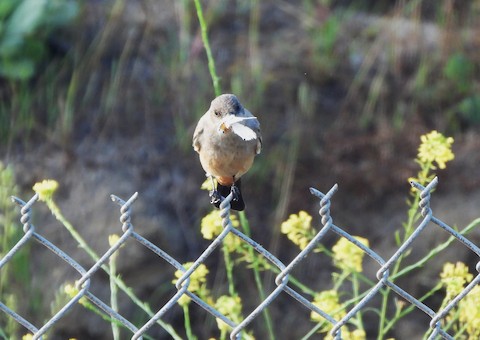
103	96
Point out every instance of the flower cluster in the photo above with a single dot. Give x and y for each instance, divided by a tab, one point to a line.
347	256
434	147
231	307
198	282
71	291
45	189
437	148
357	334
329	302
211	226
298	229
113	239
454	277
469	315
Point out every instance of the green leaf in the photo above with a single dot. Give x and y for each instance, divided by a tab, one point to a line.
26	17
24	26
470	108
6	8
17	69
20	24
459	69
60	12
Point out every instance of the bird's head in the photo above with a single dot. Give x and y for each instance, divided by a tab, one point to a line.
225	105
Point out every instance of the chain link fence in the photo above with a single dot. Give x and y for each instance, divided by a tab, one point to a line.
83	284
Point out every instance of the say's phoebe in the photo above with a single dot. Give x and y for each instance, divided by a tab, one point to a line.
227	138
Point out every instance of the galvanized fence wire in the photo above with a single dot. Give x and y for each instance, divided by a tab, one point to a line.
385	280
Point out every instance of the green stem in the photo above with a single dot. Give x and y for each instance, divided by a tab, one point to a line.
59	216
223	334
188	325
383	315
206	44
3	335
243	219
409	309
114	294
356	289
299	285
420	263
229	267
339	278
413	217
461	328
119	282
256	274
313	331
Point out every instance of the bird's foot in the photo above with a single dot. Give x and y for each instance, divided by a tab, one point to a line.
215	198
235	193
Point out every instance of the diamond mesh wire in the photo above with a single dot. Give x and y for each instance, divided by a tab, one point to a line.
385	280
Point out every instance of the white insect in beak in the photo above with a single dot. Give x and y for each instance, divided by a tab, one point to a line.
234	124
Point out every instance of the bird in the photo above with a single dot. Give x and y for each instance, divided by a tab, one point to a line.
227	138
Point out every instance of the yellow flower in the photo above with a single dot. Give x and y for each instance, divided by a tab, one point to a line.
211	226
327	301
198	281
45	189
435	147
207	184
71	291
298	229
454	277
231	307
347	256
113	239
469	309
27	337
357	334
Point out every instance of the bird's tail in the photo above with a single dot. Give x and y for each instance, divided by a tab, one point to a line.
237	202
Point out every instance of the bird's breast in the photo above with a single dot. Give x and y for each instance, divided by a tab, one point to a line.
227	155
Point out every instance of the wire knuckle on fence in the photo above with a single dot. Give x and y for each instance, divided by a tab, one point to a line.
83	284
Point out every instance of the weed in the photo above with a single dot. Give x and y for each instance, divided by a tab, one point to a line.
15	278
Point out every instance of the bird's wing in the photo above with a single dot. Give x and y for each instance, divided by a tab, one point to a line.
197	135
254	124
259	143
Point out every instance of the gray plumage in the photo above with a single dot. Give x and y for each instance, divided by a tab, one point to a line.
226	156
227	146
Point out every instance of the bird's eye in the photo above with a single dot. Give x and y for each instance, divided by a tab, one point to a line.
216	113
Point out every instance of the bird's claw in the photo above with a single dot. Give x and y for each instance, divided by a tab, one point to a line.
235	193
215	197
